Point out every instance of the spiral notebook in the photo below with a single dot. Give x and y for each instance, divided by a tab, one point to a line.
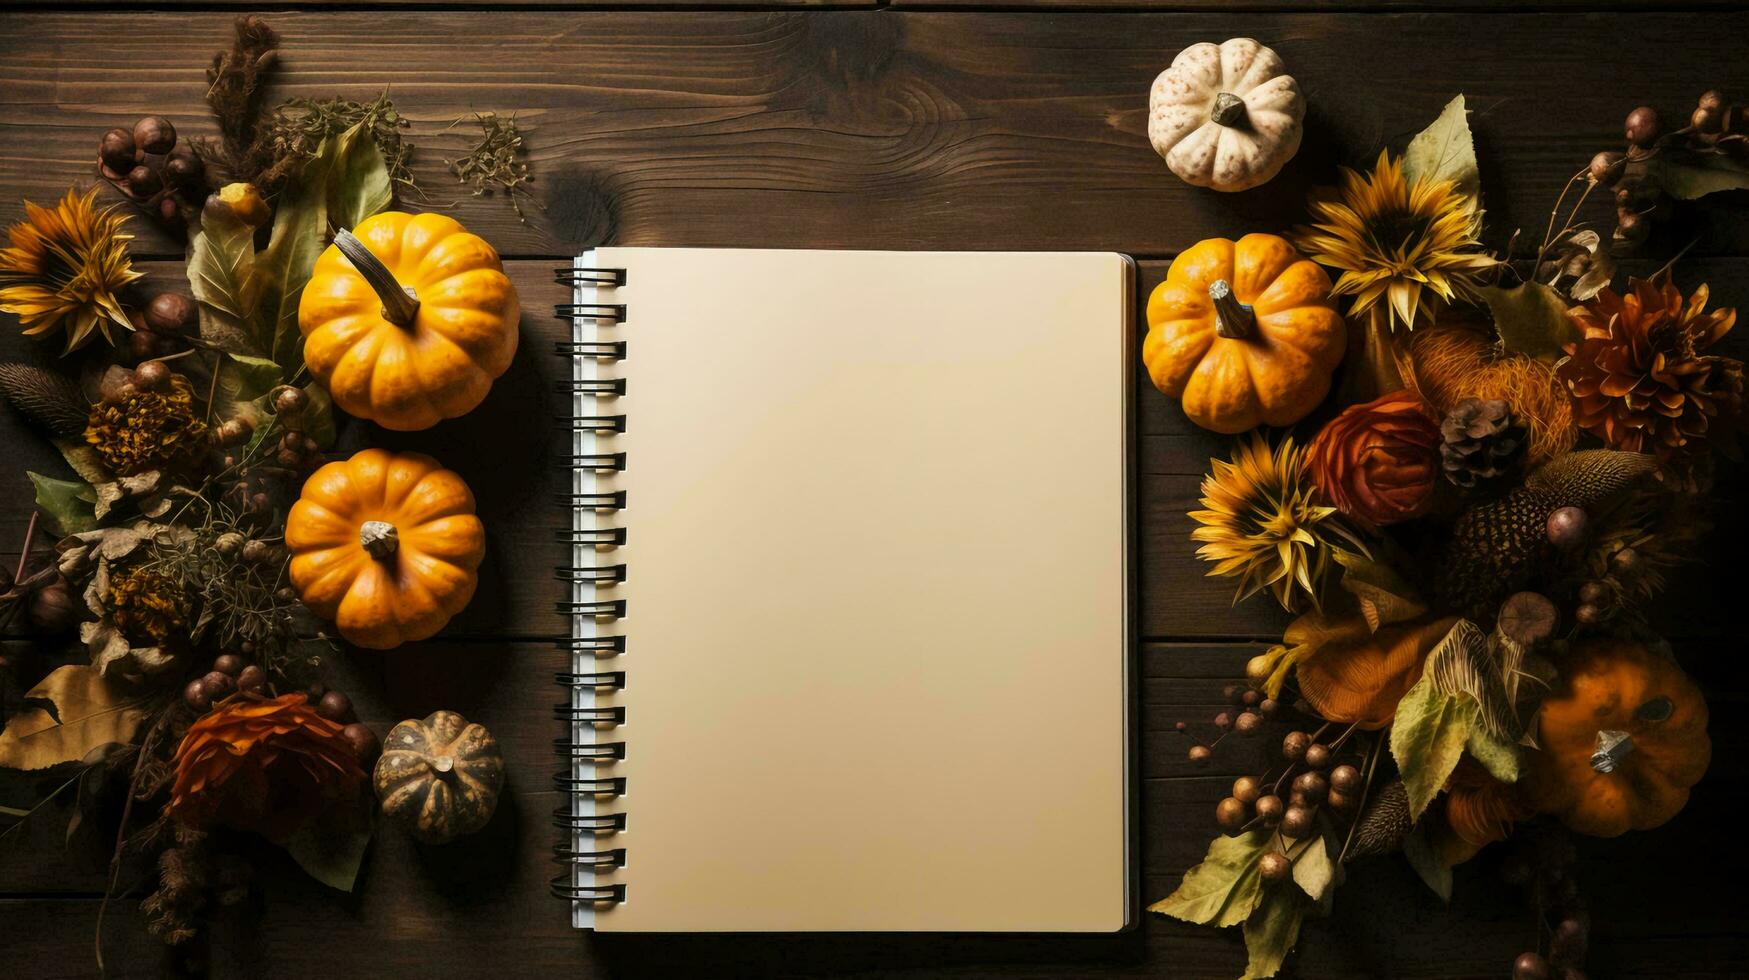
851	575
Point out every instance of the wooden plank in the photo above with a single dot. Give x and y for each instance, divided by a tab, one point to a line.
876	128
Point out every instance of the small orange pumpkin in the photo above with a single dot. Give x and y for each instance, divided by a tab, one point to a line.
1244	333
1623	738
386	545
407	319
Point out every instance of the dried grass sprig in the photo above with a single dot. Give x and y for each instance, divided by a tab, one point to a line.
497	161
299	126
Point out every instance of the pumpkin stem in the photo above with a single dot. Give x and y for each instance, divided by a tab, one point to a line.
443	765
1229	111
1612	747
400	303
1233	319
379	539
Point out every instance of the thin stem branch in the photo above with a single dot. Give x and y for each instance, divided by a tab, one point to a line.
1372	765
24	553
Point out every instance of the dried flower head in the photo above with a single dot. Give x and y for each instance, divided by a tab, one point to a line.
1263	527
1392	237
1450	364
1377	462
262	765
65	267
148	608
1641	373
148	429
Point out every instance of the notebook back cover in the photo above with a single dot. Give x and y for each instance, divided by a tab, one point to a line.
877	624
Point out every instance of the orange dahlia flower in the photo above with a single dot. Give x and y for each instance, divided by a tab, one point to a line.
1378	461
265	766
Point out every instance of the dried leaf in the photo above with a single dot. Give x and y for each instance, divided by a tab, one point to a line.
69	505
1428	739
1270	934
1446	151
331	847
223	274
360	184
1226	887
1531	318
1359	677
83	458
1692	175
1464	663
1384	596
80	711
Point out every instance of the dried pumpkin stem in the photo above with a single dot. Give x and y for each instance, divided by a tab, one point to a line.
379	539
400	303
1229	111
1233	319
443	765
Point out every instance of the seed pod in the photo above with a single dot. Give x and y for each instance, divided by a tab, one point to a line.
171	314
143	181
116	150
154	134
151	375
255	552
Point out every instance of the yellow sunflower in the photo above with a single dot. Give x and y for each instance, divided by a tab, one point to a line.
65	267
1393	237
1263	525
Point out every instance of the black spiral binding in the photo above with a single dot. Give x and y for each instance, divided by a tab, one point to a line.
581	864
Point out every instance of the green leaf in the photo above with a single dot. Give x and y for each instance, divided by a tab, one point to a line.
1688	176
70	505
222	274
1225	888
360	186
1271	933
248	377
1315	869
1446	151
1428	737
1531	318
1498	756
1427	865
319	415
300	230
331	847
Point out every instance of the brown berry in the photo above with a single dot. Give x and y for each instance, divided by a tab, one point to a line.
254	552
1257	668
1199	754
259	503
154	134
1246	789
1313	786
1642	126
1270	809
144	181
1319	756
169	211
183	168
1567	527
1179	726
1593	591
1568	944
229	663
1340	801
1275	866
1247	723
289	400
1250	698
1233	692
1530	966
1707	120
362	740
232	431
171	314
1624	560
1269	707
52	607
195	696
1223	721
151	375
218	684
334	706
116	150
1630	226
1606	167
1712	98
253	678
1345	779
315	691
1230	815
1589	613
1294	746
143	345
1297	821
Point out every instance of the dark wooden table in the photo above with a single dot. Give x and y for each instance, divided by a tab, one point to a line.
936	124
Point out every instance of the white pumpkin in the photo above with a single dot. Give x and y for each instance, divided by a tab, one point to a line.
1226	115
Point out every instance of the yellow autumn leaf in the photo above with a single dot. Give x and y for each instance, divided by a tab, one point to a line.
89	710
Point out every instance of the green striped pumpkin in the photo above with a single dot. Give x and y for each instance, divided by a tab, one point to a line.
439	778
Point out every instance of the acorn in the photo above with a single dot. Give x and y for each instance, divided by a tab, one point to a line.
116	150
171	314
154	134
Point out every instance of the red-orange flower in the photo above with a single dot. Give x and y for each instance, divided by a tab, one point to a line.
1378	461
265	766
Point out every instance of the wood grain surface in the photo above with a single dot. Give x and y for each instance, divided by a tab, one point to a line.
889	128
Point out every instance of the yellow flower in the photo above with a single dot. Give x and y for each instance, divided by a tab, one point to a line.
1263	526
64	269
1393	237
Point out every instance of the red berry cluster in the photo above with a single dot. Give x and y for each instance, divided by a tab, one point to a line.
147	166
232	675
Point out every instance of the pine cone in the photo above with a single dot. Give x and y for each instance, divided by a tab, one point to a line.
1384	823
1482	442
49	398
1640	374
1497	547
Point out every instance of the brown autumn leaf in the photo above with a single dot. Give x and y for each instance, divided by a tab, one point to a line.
83	710
1357	676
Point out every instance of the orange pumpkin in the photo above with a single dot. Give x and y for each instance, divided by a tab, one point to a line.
386	545
407	319
1244	333
1622	739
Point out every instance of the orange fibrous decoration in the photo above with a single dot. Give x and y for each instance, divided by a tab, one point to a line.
1356	675
1448	364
